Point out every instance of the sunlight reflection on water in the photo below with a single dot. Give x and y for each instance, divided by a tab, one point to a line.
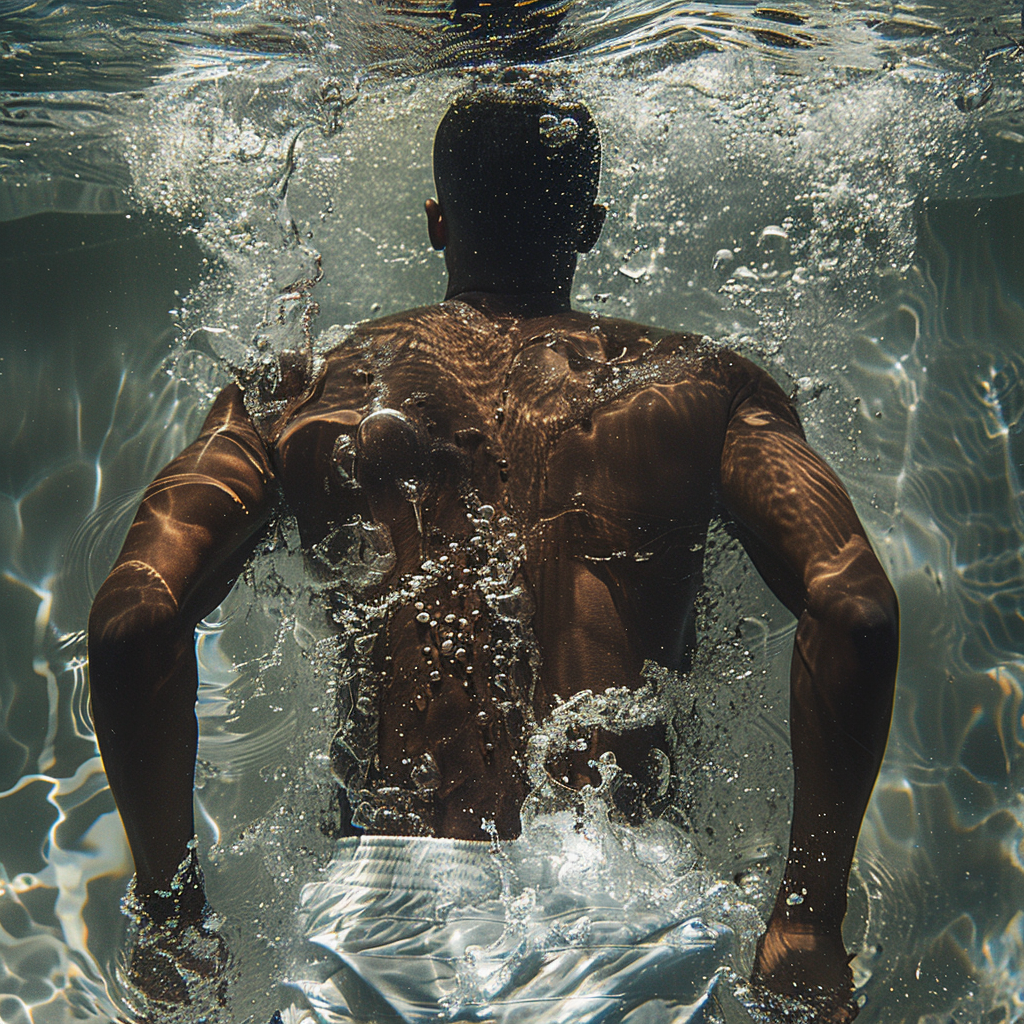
897	322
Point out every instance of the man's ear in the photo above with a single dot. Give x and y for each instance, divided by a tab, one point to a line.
591	228
437	228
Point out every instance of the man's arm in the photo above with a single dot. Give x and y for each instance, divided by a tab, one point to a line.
197	525
803	535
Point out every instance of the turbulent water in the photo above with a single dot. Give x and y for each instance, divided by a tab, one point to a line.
835	188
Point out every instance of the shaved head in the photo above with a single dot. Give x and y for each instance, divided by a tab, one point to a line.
514	166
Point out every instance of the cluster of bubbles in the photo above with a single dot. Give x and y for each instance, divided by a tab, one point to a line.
491	560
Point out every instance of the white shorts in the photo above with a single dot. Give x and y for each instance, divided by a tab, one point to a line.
444	930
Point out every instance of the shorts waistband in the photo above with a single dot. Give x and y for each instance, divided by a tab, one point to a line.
419	863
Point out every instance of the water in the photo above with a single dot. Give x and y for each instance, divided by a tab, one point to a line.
835	188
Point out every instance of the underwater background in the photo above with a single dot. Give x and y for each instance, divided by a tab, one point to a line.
834	188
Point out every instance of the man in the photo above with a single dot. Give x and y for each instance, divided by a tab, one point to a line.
599	450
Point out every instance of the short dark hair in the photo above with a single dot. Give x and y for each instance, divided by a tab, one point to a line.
511	162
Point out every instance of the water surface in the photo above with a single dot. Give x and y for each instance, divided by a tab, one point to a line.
833	188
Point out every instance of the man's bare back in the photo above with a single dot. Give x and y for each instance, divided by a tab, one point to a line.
599	441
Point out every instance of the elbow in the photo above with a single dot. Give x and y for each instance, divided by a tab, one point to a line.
874	630
864	620
134	632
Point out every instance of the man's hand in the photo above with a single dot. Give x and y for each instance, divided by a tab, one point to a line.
802	962
175	955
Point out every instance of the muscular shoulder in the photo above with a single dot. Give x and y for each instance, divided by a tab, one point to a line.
699	361
645	356
755	394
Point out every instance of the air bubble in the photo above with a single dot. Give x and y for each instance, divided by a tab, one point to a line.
975	92
773	233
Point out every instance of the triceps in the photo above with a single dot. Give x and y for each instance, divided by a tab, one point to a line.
196	526
201	517
792	513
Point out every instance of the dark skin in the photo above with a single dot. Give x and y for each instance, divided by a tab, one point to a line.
608	446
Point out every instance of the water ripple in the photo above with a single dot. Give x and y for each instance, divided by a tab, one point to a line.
897	323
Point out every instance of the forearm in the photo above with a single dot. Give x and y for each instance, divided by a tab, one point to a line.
143	682
843	673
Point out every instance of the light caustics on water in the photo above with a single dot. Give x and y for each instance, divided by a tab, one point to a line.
832	188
